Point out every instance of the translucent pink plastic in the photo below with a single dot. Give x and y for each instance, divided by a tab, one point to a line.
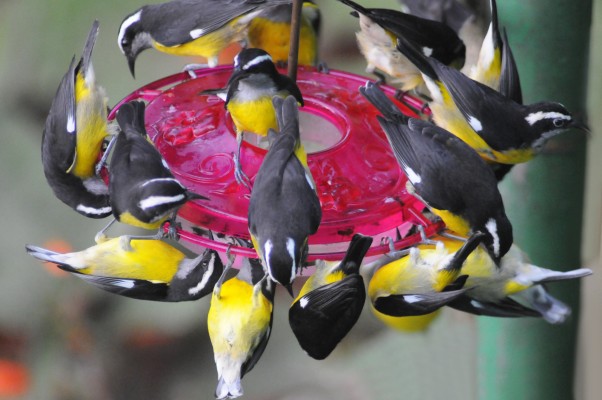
360	185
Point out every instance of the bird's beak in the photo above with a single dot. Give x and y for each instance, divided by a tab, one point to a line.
132	64
580	125
289	289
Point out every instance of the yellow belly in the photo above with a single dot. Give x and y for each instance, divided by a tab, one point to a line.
274	37
254	116
129	219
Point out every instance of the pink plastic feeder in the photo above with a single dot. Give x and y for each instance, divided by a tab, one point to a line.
360	185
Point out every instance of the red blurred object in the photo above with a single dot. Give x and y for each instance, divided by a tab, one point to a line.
14	378
360	184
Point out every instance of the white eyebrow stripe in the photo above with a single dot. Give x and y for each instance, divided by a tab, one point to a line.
91	210
156	180
127	23
256	60
154	201
539	115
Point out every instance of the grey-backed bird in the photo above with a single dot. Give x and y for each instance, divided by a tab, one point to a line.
446	174
144	269
75	129
330	302
284	208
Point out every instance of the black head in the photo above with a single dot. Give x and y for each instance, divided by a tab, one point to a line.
254	60
132	38
283	259
196	277
498	236
548	119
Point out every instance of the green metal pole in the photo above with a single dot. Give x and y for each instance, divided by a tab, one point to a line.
528	358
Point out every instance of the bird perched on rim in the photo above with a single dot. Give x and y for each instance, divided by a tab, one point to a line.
271	32
189	27
418	280
377	42
446	174
284	208
143	191
248	98
239	324
146	269
496	66
330	301
498	128
511	288
75	129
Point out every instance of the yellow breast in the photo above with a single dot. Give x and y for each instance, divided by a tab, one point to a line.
128	218
274	37
256	116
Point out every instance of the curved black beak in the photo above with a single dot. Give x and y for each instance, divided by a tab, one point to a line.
132	64
582	126
289	289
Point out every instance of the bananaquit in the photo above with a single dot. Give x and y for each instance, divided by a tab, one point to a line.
240	324
75	129
377	42
144	193
284	208
188	28
446	174
330	301
144	269
498	128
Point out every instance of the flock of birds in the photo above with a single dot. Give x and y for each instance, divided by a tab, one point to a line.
480	128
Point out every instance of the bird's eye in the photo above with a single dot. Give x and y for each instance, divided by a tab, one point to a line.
559	123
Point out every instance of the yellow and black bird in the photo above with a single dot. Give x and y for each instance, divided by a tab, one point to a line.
189	27
419	280
239	324
144	269
330	301
498	128
144	192
446	174
271	31
75	129
284	208
511	288
377	42
248	98
495	66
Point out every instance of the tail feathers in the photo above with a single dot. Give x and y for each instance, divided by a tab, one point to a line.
355	6
421	61
552	276
358	248
382	103
86	60
226	390
509	78
551	309
287	114
130	117
43	254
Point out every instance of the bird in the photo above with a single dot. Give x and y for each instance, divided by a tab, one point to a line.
376	39
240	324
248	98
284	208
418	280
143	191
330	302
511	288
271	31
409	324
74	132
188	27
498	128
144	269
446	174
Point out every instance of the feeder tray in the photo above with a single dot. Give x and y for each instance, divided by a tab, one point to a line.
359	182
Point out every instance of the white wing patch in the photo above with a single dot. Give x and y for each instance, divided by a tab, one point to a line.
303	302
413	176
475	123
427	51
413	298
197	33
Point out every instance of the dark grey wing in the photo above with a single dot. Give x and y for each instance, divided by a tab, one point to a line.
59	137
503	308
403	305
171	23
501	123
509	78
324	316
256	353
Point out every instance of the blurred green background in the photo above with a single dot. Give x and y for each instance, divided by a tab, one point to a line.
76	342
